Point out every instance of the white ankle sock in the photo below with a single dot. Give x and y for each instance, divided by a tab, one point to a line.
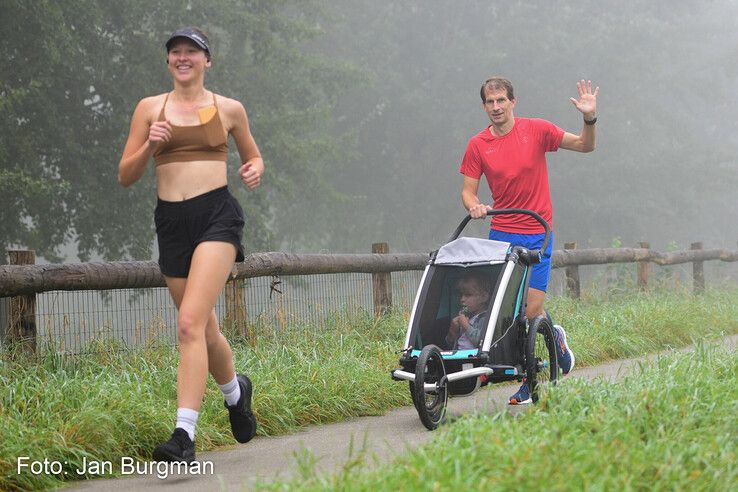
187	420
231	391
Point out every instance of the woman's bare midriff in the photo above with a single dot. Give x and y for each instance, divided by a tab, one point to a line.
179	181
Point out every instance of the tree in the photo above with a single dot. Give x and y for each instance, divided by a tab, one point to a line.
663	167
74	70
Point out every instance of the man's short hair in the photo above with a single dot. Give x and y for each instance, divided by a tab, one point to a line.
496	84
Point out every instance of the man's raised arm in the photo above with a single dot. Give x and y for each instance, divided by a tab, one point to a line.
587	105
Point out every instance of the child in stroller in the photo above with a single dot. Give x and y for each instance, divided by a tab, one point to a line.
467	328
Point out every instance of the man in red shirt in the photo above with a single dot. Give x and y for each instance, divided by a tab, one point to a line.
511	154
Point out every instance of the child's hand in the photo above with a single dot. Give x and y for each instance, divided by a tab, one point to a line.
455	327
463	319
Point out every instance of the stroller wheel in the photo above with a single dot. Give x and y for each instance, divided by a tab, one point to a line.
430	392
542	364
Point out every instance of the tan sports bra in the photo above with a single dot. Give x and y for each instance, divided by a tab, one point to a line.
205	142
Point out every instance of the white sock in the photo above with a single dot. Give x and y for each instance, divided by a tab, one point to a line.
231	391
187	420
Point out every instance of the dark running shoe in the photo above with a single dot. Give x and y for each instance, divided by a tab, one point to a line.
563	352
243	422
522	396
178	448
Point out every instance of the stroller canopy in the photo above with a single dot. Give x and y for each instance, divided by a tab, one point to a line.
466	250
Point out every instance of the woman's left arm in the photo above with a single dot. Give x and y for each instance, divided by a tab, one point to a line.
252	166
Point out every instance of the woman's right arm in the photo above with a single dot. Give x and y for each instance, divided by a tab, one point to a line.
143	138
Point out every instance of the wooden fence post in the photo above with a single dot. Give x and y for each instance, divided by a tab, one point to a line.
698	272
643	268
22	322
572	276
381	284
235	308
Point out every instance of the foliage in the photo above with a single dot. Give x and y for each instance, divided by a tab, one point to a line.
74	70
368	151
660	428
114	403
664	168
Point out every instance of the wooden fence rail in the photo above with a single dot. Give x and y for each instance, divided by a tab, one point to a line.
21	282
18	280
28	279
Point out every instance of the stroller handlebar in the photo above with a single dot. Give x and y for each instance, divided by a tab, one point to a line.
507	211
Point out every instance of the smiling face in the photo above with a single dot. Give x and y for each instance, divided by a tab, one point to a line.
499	108
187	62
473	296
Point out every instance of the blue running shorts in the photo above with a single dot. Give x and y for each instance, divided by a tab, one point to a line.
541	271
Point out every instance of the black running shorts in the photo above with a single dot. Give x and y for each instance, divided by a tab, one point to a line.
181	226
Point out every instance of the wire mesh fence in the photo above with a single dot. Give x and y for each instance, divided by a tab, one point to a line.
69	321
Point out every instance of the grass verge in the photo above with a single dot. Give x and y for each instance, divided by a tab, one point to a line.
669	425
115	403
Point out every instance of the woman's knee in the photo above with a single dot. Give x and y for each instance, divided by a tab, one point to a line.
189	327
214	339
212	330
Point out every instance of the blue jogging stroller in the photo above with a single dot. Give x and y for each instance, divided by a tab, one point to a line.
507	345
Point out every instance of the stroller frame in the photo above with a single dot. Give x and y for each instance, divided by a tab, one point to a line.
434	374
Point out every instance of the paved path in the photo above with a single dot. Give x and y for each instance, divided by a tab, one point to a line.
237	468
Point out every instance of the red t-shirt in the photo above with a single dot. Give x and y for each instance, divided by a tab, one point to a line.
515	168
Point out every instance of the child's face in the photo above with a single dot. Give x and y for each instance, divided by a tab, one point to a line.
473	296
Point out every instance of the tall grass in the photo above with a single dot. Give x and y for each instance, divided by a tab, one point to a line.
669	426
112	403
601	328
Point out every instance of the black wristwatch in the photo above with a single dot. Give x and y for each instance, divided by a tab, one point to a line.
590	122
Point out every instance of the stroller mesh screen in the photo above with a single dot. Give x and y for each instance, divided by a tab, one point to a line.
455	306
504	349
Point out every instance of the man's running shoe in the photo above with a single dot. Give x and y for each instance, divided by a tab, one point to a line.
179	447
563	352
243	422
522	396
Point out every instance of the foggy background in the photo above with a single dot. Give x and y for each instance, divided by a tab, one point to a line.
362	111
